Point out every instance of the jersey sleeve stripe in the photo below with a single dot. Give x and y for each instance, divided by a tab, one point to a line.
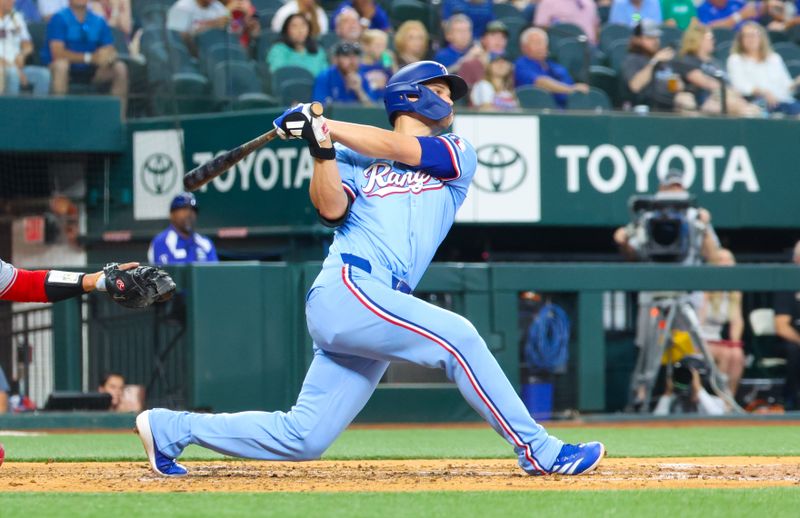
349	190
8	286
453	158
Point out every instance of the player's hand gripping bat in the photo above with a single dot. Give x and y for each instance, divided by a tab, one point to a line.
204	173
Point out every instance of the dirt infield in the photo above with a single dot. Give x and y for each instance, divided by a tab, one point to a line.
391	475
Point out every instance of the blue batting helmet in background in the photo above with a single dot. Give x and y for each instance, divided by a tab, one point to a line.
410	81
183	200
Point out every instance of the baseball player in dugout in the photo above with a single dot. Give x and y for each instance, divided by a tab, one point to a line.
392	197
179	243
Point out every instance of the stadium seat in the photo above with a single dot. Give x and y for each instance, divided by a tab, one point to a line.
265	41
253	101
603	11
575	56
793	34
559	32
515	27
38	32
722	51
162	62
191	93
616	54
120	41
788	51
285	74
723	35
794	68
534	98
295	90
207	39
151	14
778	37
607	80
403	10
595	100
220	53
671	37
763	343
267	4
609	34
154	35
329	39
504	10
232	79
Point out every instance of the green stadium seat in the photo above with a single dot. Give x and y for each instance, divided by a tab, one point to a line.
120	41
191	93
723	35
610	34
295	90
559	32
505	10
722	51
220	53
232	79
515	27
285	74
576	57
793	34
207	39
603	11
265	41
794	68
329	39
671	37
607	80
616	54
778	37
253	101
38	32
534	98
788	51
594	100
267	4
403	10
152	14
162	62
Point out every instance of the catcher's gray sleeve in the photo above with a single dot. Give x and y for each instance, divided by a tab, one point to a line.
7	274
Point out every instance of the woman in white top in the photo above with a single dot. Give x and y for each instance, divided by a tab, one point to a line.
495	92
313	13
721	308
758	72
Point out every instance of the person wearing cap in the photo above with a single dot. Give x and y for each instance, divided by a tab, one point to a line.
179	243
534	68
342	82
493	44
633	12
648	73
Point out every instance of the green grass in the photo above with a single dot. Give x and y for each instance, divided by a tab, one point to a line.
419	443
772	502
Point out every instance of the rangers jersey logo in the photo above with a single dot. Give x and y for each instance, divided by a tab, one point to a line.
382	181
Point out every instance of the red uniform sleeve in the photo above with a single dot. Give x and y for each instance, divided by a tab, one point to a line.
26	286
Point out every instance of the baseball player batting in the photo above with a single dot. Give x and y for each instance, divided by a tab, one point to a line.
393	196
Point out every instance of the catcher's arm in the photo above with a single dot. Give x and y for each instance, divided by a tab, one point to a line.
92	280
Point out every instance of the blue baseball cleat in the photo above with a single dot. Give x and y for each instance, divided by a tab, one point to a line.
577	459
160	463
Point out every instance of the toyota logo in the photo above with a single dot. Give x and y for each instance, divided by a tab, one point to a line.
500	168
159	173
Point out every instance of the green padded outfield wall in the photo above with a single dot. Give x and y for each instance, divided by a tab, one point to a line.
555	170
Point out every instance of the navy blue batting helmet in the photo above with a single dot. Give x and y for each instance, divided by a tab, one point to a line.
183	200
410	81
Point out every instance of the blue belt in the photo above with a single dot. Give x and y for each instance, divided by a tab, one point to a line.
362	264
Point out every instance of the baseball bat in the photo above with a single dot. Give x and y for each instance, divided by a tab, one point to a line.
204	173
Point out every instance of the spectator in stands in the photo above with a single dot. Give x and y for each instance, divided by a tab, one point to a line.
787	327
632	12
297	48
722	309
705	78
29	10
348	25
47	8
371	15
533	68
342	82
411	42
759	73
116	13
309	8
244	20
479	11
377	63
15	47
124	397
191	17
493	43
678	13
649	75
582	13
495	92
80	48
460	48
731	13
179	243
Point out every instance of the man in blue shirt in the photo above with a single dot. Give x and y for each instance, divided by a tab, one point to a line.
80	47
29	10
730	14
632	12
343	82
179	243
479	11
460	48
533	68
372	16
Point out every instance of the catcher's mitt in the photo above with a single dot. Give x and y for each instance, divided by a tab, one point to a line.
139	287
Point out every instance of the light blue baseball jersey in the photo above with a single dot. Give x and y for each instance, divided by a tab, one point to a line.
401	214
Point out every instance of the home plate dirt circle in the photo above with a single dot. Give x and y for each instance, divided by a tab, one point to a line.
396	475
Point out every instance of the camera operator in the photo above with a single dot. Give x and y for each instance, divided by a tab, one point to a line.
686	392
